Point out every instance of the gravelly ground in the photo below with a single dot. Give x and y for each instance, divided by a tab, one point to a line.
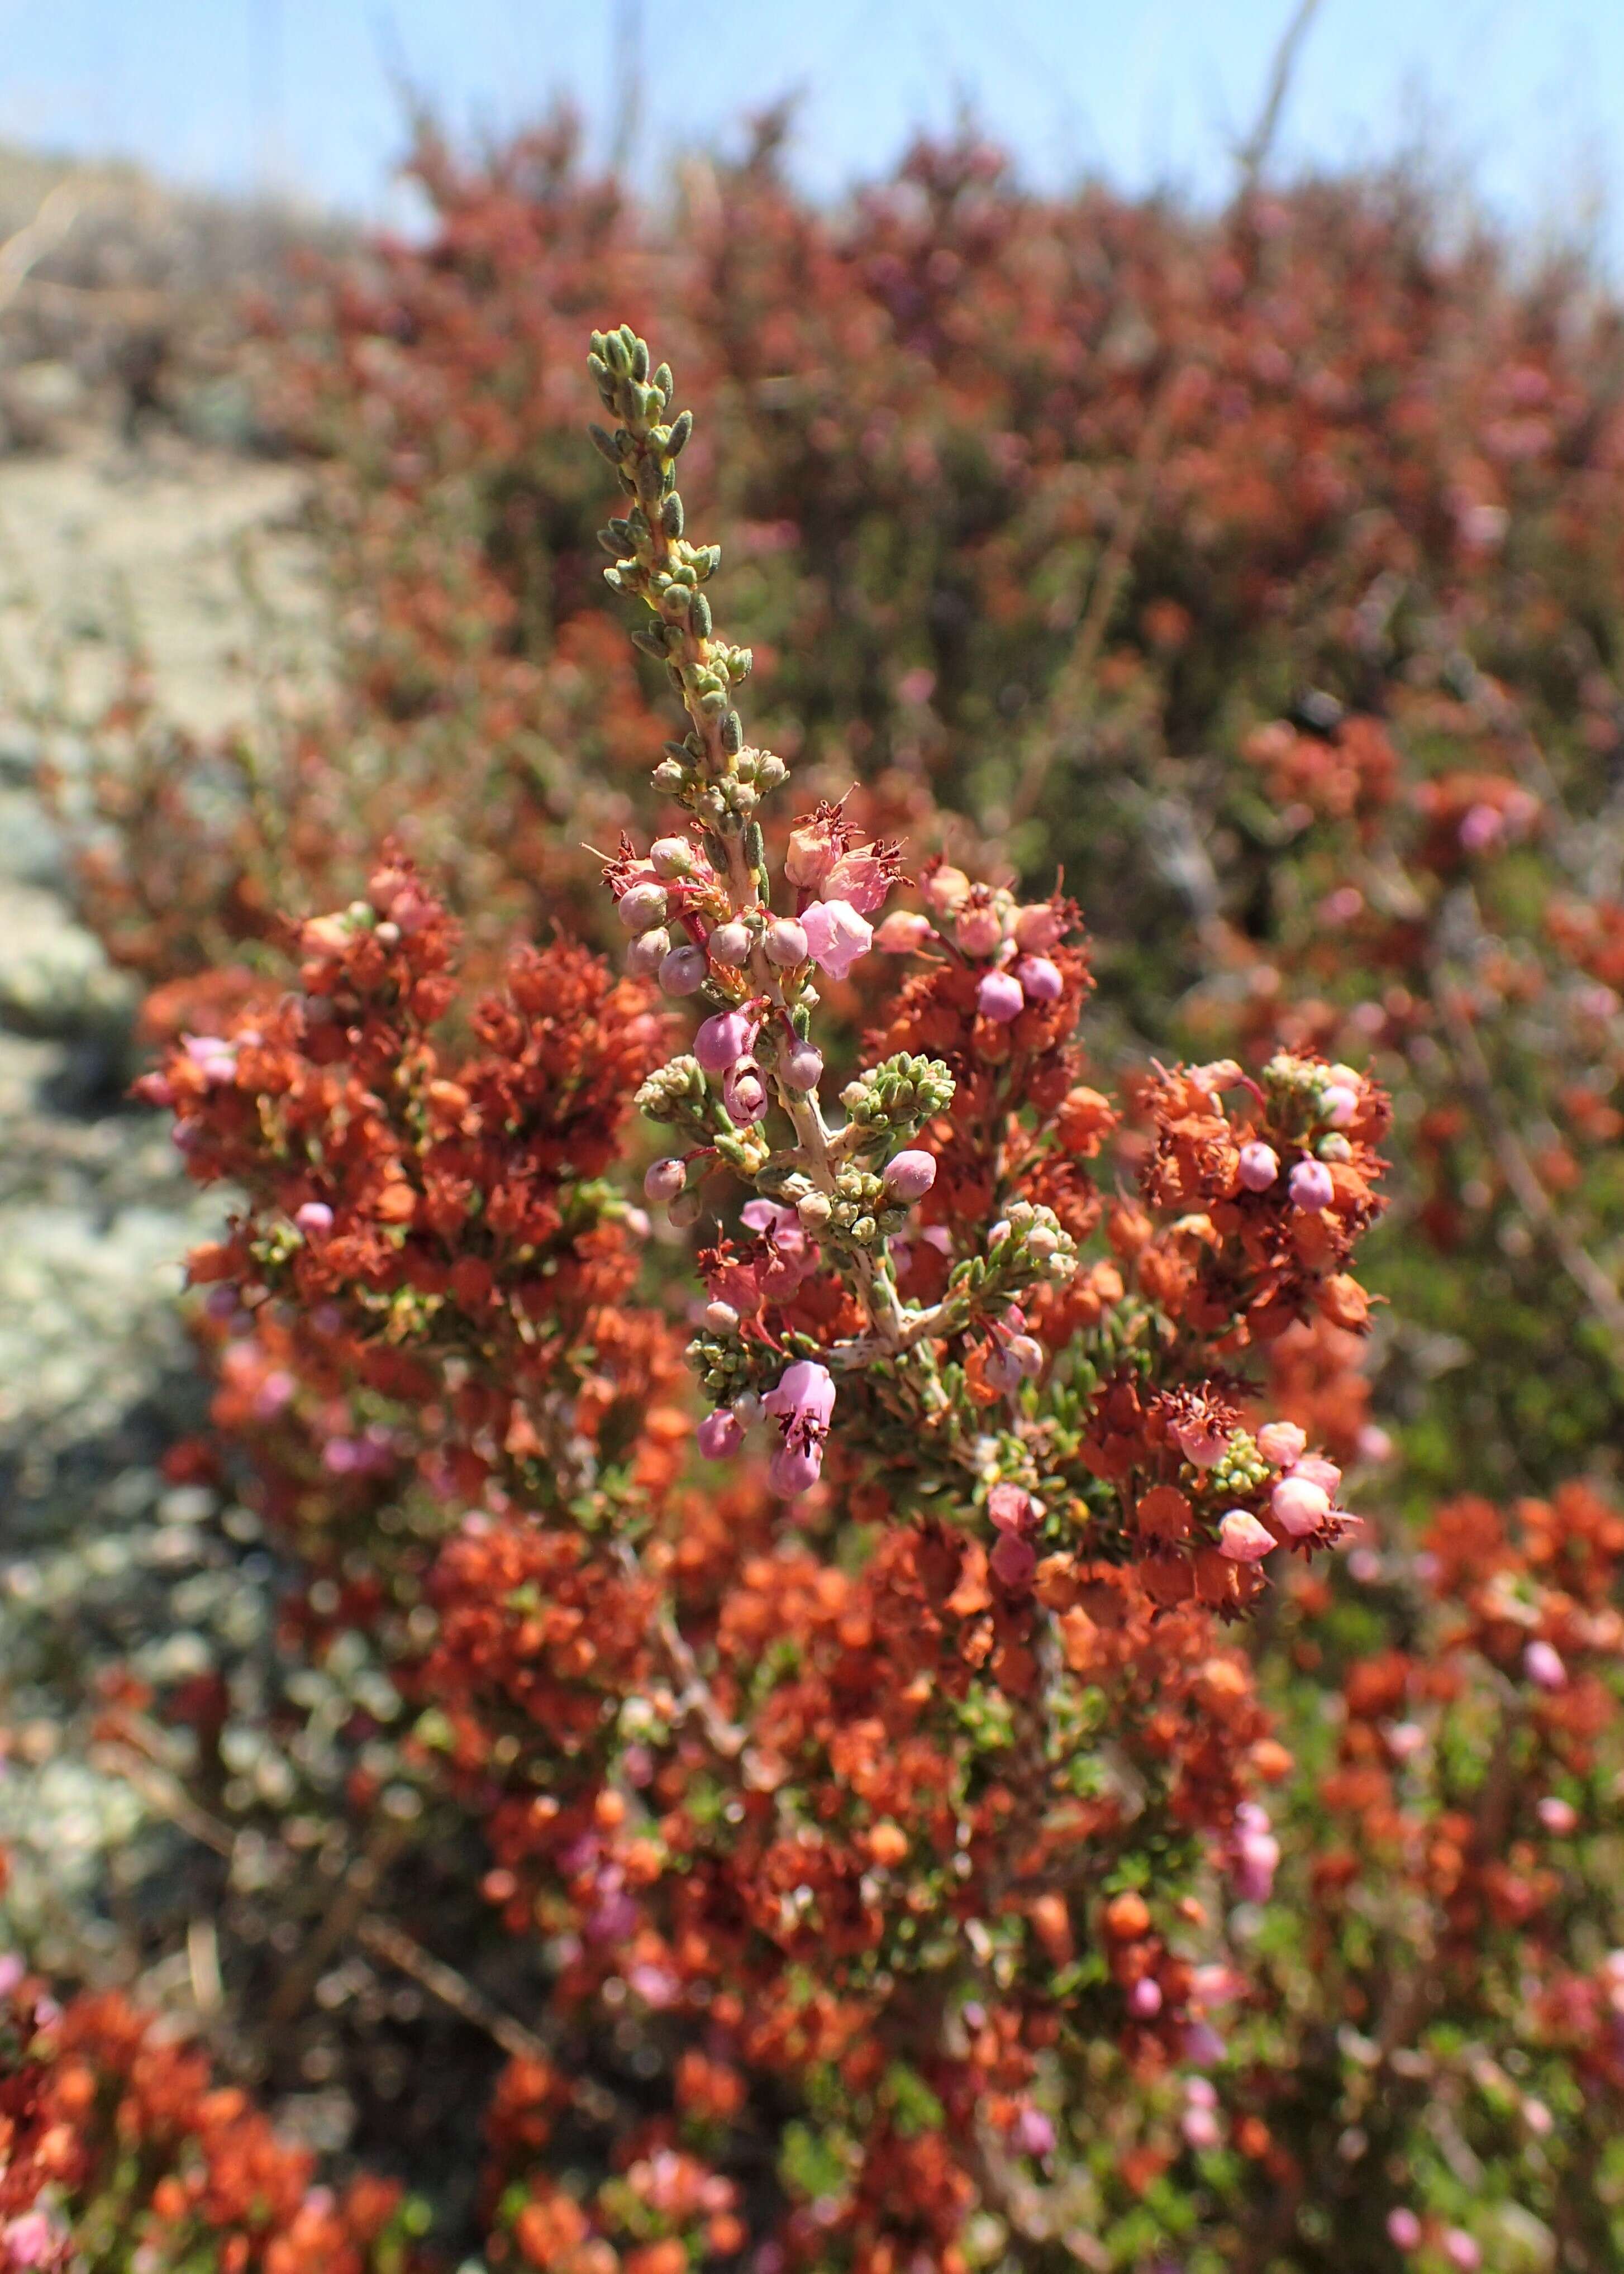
196	557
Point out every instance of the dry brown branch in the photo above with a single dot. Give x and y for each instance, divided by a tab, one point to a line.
55	216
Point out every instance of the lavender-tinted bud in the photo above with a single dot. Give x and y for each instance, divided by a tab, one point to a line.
648	951
1544	1666
1310	1187
722	1040
671	856
683	970
1299	1506
314	1216
685	1211
1038	927
643	906
1041	979
803	1069
719	1436
729	943
1242	1539
1339	1105
908	1175
998	997
663	1180
786	943
1259	1166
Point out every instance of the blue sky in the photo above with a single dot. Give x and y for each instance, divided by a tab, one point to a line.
1523	97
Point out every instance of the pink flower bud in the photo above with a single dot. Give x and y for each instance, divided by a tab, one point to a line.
1281	1443
683	970
314	1216
1242	1539
998	997
1145	1999
1200	2128
1309	1185
1543	1668
908	1175
1339	1105
1299	1507
648	951
722	1040
1011	1508
1260	1165
1015	1561
1461	2251
729	943
720	1317
944	889
978	930
1032	2134
836	936
1318	1470
786	943
663	1180
803	1069
643	906
809	854
1403	2228
1406	1739
719	1436
1041	979
903	932
1038	927
671	856
1557	1815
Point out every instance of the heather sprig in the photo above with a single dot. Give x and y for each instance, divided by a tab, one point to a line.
700	910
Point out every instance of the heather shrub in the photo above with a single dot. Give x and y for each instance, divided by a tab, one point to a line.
979	1786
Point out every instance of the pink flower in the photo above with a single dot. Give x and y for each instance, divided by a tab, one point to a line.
903	932
729	943
31	2239
1339	1105
1202	1444
1461	2251
1031	2133
1310	1187
998	997
643	907
1543	1668
863	877
744	1093
1200	2128
1145	1999
813	847
1316	1470
1403	2228
720	1435
1559	1816
722	1040
1259	1166
803	1401
1041	979
909	1175
314	1216
1242	1539
1281	1442
1299	1507
837	935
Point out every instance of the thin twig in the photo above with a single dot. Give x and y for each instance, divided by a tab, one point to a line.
1518	1170
1254	152
380	1936
1073	686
